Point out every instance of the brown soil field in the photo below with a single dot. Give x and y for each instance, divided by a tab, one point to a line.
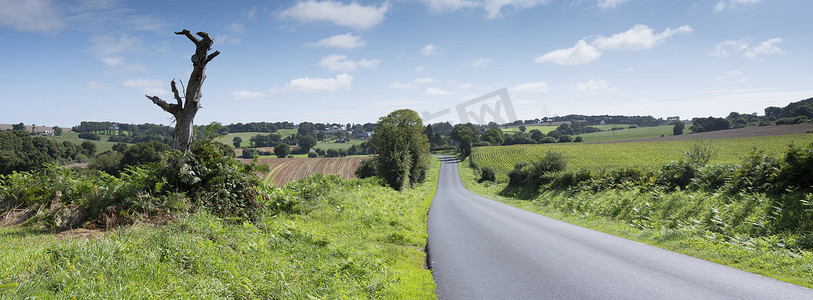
726	134
284	170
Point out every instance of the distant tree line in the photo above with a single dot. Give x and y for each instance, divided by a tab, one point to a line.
20	151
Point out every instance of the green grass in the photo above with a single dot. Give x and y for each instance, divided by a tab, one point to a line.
626	133
764	255
332	145
357	240
73	137
629	155
543	129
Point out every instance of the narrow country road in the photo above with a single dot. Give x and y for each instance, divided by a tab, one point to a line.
482	249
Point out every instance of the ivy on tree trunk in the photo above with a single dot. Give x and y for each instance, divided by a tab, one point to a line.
187	107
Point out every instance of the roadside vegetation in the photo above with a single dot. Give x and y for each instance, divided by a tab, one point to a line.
748	210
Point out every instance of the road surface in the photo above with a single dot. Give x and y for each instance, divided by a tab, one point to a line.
482	249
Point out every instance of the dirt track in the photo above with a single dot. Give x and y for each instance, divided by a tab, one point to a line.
725	134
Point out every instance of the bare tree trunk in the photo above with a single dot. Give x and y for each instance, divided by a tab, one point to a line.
187	107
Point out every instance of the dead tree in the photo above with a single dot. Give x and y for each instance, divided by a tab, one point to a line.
187	107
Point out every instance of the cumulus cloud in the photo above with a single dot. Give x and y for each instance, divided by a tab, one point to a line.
351	15
346	41
595	87
429	50
311	85
537	86
639	37
30	15
607	4
340	63
733	4
432	91
743	47
148	86
581	53
246	94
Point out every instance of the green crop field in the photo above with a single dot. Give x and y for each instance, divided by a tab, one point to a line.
629	155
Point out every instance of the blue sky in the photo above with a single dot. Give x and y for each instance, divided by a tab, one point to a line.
342	61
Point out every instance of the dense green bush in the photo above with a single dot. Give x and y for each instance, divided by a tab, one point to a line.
367	168
538	172
487	173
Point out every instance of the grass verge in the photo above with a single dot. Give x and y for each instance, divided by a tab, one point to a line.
760	256
347	240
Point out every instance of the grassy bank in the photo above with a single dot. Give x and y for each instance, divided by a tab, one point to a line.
694	223
346	239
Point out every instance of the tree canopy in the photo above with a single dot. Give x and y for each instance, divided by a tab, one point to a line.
402	147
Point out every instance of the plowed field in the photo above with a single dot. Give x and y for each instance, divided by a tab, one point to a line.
284	170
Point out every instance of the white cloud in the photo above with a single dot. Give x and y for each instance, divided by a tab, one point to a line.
346	41
733	4
765	48
306	84
466	85
537	86
432	91
494	7
594	87
148	86
640	37
246	94
429	50
251	13
437	6
112	61
607	4
336	62
400	85
419	69
351	15
744	48
30	15
581	53
480	62
424	80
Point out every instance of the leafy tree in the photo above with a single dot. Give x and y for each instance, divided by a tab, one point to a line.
108	162
522	128
143	153
120	147
249	153
89	148
236	141
20	126
305	128
402	147
537	135
493	135
678	129
332	153
464	135
57	131
306	142
282	150
709	124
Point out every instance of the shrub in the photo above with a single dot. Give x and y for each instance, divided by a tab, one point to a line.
578	139
312	155
249	153
712	177
282	150
677	175
547	140
537	173
481	144
367	168
565	139
487	173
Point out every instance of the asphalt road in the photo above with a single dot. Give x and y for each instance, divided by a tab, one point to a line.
482	249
